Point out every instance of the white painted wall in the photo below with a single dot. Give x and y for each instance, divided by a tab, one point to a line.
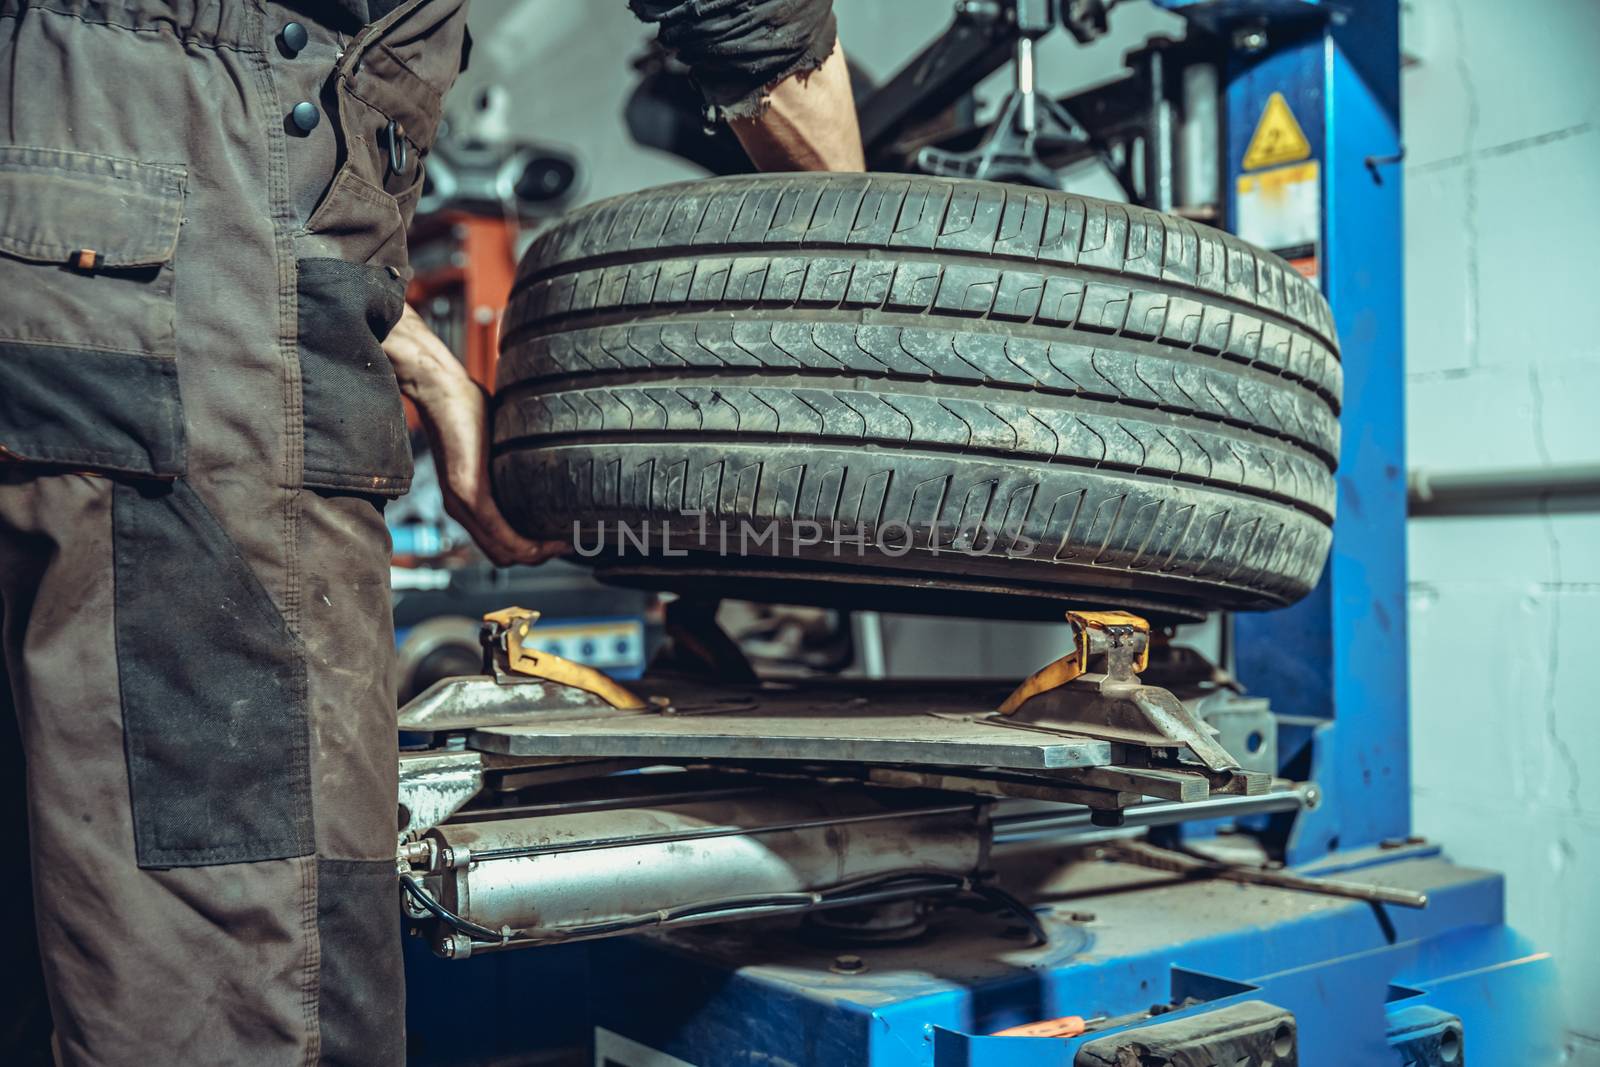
1502	201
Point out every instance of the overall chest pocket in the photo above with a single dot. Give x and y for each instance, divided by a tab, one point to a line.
389	91
88	370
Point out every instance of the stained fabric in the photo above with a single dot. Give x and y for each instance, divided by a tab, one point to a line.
213	690
737	50
355	429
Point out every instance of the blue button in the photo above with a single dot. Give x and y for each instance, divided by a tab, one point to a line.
293	37
305	116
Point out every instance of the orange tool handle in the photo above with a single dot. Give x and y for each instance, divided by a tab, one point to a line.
1066	1026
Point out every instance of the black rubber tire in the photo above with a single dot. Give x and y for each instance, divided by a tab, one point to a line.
1000	390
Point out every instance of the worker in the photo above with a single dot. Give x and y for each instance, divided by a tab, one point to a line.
203	206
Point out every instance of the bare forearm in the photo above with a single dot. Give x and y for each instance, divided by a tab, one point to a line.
773	69
454	412
809	122
427	371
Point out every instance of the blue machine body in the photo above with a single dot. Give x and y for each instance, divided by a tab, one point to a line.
1334	665
1368	984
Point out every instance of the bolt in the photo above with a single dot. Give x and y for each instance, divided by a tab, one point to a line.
1249	39
848	964
446	947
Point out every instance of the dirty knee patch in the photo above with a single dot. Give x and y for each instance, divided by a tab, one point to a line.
213	690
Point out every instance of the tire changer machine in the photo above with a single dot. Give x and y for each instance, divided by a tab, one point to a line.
1118	861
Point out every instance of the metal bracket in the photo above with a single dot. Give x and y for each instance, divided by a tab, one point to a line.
1009	152
1111	703
505	636
1028	119
434	785
1122	639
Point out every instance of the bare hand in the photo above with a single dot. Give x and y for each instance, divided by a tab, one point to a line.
454	412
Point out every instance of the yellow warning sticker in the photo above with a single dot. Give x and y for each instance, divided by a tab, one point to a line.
1278	137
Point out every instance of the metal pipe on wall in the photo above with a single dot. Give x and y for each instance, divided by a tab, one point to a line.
1514	490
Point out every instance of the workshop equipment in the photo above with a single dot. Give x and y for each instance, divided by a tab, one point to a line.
704	851
1187	904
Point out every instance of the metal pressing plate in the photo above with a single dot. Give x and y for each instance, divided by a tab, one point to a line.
945	724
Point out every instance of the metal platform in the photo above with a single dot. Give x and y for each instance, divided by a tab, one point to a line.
949	725
1083	729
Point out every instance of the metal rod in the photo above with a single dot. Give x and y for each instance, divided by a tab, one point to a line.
1328	887
1158	145
1200	135
1029	826
1192	865
1026	117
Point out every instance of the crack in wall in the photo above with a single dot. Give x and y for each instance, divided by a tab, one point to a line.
1552	729
1469	180
1505	148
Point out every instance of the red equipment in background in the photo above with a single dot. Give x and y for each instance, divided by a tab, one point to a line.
463	265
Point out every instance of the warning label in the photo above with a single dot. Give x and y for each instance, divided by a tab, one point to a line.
1278	138
1281	209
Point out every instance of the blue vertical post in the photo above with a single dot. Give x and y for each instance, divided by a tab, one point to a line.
1339	657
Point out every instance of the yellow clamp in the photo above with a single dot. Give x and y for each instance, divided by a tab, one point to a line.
521	659
1059	672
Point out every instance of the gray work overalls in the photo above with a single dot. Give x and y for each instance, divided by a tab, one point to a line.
202	240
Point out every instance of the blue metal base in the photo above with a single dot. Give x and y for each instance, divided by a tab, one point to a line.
1367	984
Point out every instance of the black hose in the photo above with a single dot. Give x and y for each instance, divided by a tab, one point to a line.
837	894
450	918
1029	917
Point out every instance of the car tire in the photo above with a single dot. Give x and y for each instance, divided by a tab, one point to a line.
921	394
